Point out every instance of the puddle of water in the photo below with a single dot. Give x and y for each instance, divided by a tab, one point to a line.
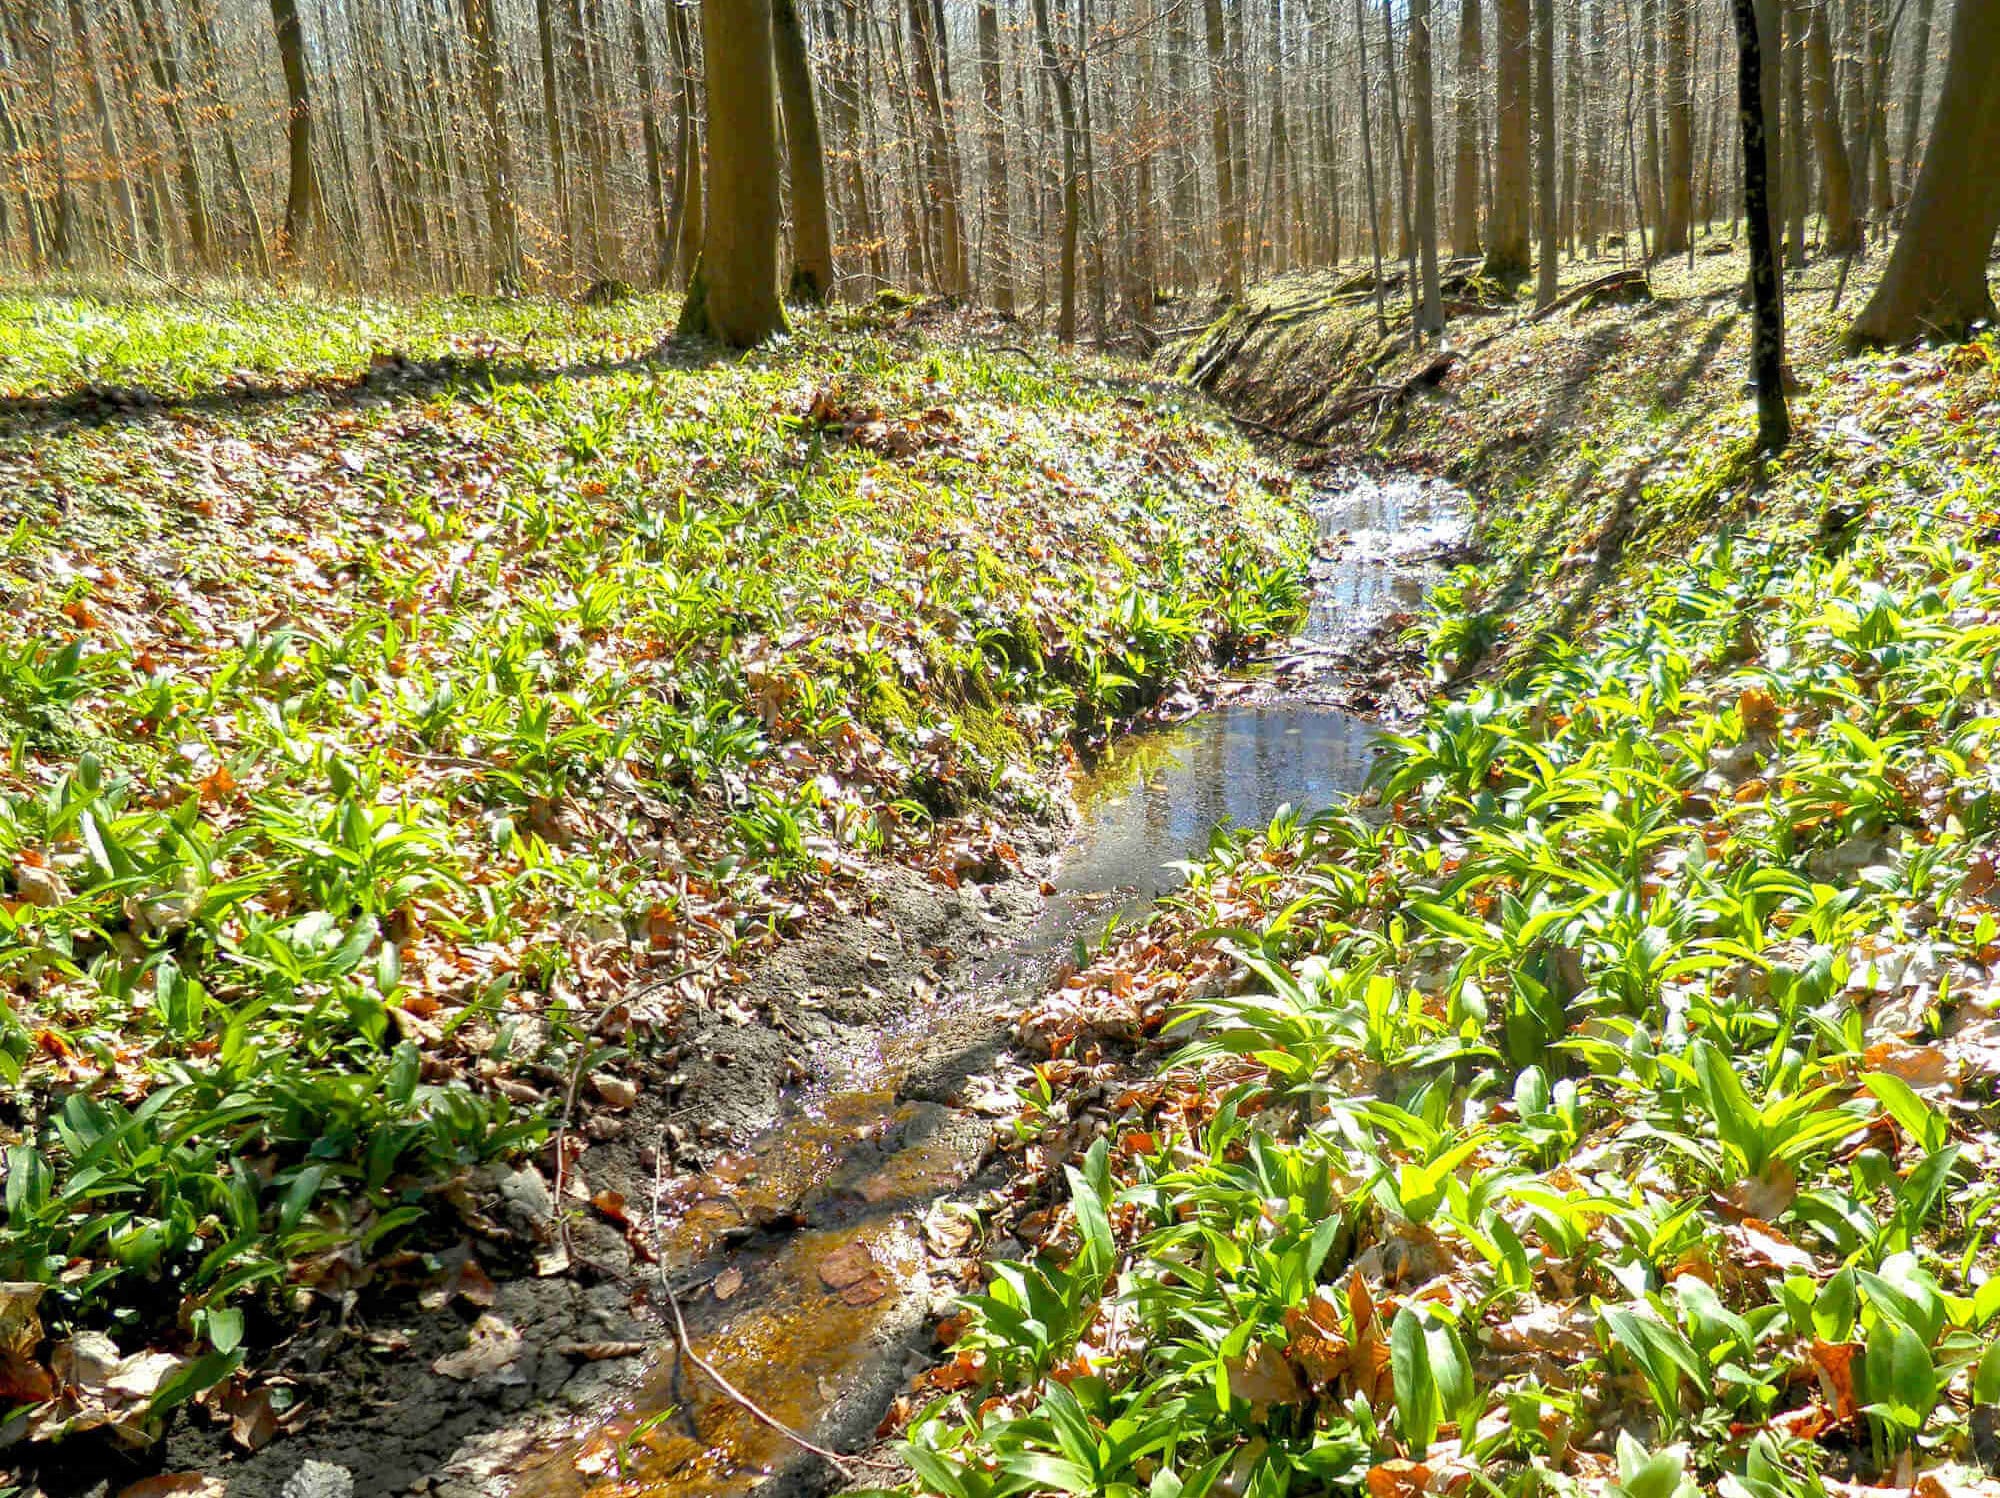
850	1167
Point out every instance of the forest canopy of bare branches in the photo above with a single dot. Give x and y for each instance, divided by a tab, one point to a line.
496	144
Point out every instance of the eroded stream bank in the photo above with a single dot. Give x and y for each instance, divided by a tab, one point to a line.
811	1263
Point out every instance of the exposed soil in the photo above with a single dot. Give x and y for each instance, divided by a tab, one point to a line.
814	1136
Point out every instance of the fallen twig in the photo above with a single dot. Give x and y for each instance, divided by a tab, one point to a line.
845	1466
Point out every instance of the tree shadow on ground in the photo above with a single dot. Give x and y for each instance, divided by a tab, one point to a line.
393	382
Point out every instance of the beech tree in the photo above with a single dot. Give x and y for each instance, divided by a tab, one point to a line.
733	297
812	237
1767	337
1936	280
1507	228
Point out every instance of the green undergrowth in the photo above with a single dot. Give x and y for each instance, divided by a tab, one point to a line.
1605	1102
382	760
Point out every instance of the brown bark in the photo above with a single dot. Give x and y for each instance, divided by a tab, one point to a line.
1507	230
1465	162
1545	151
1843	228
812	236
1936	279
993	130
1676	223
734	296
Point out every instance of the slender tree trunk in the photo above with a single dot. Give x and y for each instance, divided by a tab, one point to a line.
653	139
1231	215
939	154
158	41
1774	427
1406	237
489	83
304	208
999	233
1936	278
209	62
687	151
1572	130
1843	228
552	130
1368	169
1675	225
1430	306
1465	164
1795	193
107	129
1059	83
1545	151
812	236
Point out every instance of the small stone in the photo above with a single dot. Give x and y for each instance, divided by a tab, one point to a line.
317	1479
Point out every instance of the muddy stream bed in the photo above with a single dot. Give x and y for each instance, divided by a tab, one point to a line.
802	1261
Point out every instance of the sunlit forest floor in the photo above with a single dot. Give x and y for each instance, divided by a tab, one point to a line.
424	721
1606	1101
421	719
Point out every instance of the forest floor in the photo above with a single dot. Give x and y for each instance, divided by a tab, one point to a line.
465	759
1608	1100
1604	1102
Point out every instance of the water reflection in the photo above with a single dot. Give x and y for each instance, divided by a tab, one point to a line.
1157	797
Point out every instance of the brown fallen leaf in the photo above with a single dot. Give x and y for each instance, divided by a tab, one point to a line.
1397	1479
253	1422
849	1264
1263	1376
616	1092
612	1205
491	1346
463	1280
1317	1348
727	1283
1835	1362
175	1485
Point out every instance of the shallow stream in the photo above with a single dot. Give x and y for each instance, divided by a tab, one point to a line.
803	1256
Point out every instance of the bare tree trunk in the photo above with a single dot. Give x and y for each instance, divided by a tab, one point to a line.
812	236
1774	427
1936	279
107	129
1000	249
939	153
1465	165
159	44
1059	82
1545	151
687	152
734	295
1507	231
552	131
489	81
1675	226
1430	306
654	142
209	64
1843	228
1793	201
1913	101
1368	169
304	206
1231	215
1572	119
